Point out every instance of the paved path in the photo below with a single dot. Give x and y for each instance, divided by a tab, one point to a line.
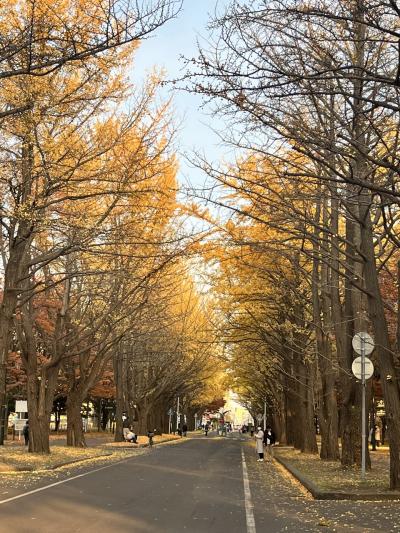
194	486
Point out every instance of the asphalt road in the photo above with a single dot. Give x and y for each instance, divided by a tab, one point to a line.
195	486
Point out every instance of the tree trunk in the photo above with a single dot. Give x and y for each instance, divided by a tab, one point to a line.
11	289
119	397
383	348
328	409
39	434
279	419
290	418
39	418
143	422
308	436
75	435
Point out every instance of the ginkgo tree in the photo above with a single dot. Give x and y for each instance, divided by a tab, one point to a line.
319	97
39	37
170	353
70	162
59	64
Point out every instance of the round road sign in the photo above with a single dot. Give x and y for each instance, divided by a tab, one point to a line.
357	341
356	368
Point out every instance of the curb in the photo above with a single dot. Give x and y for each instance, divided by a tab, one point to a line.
136	446
319	494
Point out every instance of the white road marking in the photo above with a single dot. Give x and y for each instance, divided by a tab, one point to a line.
61	482
250	522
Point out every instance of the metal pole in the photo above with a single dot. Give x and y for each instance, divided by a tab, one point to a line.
169	422
177	414
265	414
3	408
363	413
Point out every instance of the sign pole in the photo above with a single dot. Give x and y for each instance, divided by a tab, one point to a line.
362	368
363	413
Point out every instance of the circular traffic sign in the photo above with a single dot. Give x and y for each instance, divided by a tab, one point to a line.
356	368
359	339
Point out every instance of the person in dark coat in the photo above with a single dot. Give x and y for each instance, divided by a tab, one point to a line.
150	435
25	432
184	429
269	441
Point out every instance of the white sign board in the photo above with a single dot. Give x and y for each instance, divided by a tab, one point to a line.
369	344
21	406
19	424
356	368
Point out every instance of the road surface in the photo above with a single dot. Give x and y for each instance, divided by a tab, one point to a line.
200	485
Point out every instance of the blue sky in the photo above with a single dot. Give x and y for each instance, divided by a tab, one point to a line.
163	49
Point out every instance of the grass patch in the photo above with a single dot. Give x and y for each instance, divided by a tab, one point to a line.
332	476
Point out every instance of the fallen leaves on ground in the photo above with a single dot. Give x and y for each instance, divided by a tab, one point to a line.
332	476
16	458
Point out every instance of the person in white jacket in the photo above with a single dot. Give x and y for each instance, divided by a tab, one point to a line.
259	436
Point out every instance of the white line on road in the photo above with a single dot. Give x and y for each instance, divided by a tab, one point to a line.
61	482
250	522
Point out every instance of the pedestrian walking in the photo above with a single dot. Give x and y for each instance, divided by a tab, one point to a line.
377	435
269	441
184	429
206	428
150	435
259	436
25	432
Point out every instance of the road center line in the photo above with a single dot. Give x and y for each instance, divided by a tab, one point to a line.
62	481
250	522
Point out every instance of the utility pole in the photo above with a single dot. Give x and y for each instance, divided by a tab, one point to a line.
177	414
170	413
3	407
265	414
